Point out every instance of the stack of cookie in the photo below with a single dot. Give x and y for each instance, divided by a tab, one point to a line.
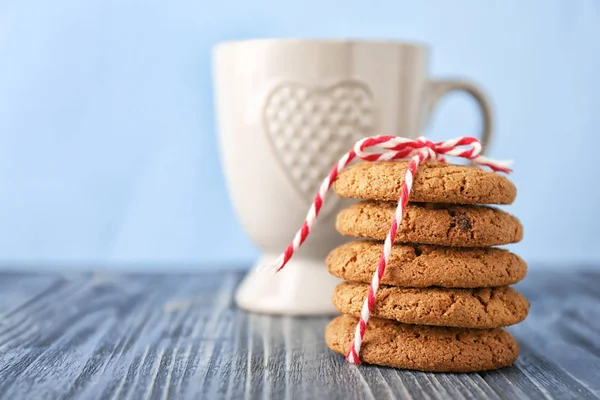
445	294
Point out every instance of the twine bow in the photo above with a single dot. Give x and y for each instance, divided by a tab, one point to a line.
388	148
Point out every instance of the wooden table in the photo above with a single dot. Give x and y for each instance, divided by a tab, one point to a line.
171	336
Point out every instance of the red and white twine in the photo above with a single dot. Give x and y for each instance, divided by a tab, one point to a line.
388	148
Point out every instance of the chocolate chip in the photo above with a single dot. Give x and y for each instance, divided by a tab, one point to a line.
464	222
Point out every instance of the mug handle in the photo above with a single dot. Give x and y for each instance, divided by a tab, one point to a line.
438	89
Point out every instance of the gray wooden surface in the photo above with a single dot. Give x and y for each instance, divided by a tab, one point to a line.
171	336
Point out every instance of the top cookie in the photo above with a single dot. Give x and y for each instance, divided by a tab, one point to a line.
434	182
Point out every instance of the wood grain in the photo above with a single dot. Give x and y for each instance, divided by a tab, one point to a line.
179	336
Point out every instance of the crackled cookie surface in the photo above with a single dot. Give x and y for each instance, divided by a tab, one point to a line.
425	348
427	265
437	224
463	308
434	183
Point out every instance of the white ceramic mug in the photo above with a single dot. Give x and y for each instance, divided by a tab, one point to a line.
287	110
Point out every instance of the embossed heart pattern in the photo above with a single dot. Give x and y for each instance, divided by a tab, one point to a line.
311	127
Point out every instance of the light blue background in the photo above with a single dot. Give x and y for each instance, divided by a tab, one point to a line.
108	153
